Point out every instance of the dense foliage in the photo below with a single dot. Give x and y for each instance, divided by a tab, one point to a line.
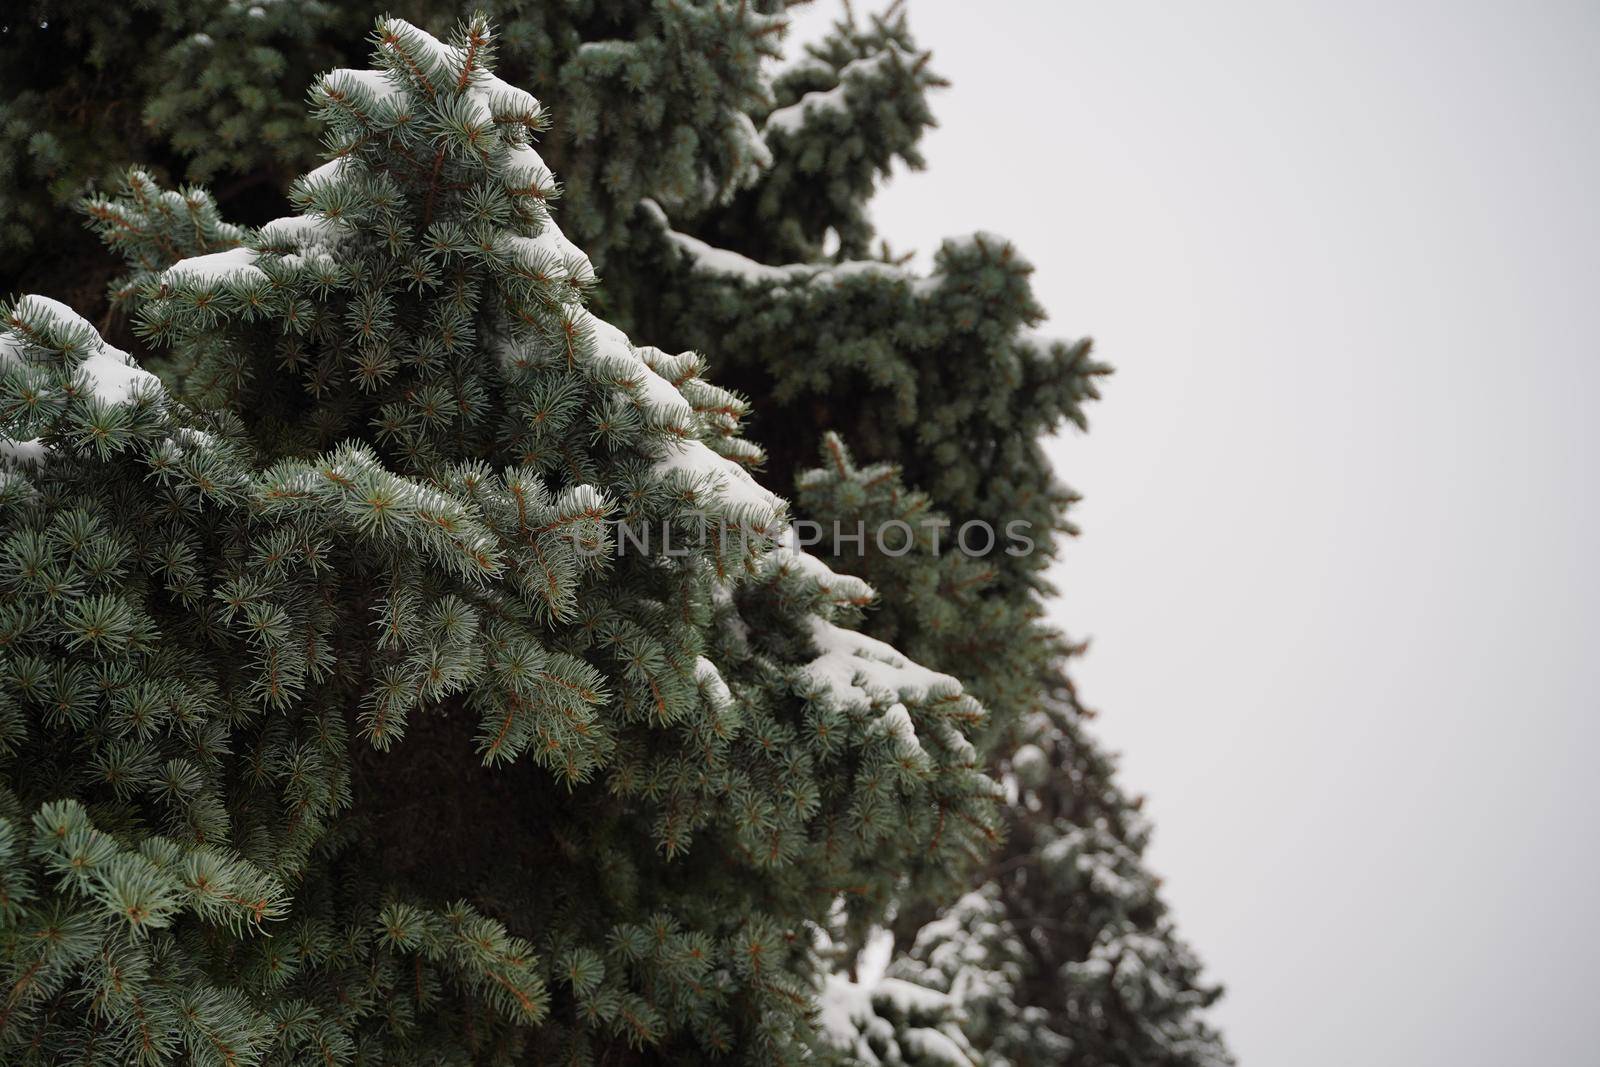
345	715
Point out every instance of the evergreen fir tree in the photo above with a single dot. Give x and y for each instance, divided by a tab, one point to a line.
422	670
725	207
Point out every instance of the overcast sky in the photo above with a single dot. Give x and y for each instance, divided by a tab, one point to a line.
1338	560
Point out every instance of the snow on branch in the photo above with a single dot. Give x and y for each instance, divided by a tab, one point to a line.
112	376
789	119
843	589
730	481
216	268
33	451
859	1017
859	673
721	261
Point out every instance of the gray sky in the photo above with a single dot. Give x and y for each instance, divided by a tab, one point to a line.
1338	560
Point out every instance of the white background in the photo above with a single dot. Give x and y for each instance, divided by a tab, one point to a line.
1339	538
